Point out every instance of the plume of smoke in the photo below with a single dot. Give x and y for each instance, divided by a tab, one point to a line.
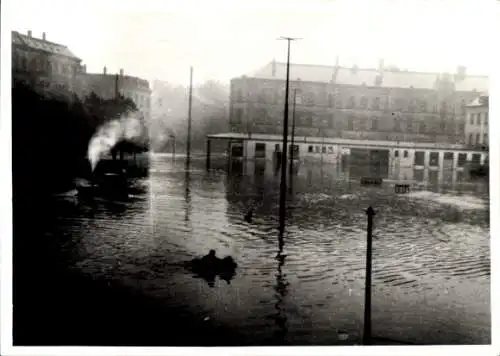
129	126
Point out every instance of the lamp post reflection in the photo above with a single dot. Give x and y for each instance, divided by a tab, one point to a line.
187	196
281	293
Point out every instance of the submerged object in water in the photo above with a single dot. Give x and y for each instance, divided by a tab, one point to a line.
210	266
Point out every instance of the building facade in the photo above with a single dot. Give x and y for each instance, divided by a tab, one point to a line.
476	126
109	86
42	63
385	103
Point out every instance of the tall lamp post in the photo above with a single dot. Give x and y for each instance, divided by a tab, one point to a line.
285	140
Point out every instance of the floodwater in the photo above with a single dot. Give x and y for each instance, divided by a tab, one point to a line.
431	260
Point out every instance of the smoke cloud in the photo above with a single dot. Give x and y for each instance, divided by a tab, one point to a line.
128	126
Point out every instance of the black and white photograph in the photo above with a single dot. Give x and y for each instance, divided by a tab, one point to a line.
242	174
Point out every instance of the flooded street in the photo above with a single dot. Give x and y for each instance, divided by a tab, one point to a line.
431	260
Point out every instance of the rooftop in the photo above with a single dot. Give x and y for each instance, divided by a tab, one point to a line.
337	141
482	100
388	78
41	44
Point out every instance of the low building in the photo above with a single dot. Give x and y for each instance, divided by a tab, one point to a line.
476	127
109	86
42	63
438	163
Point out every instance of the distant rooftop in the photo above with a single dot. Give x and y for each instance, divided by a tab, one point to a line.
482	100
390	77
41	44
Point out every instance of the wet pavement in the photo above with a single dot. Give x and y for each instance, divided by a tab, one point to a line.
431	261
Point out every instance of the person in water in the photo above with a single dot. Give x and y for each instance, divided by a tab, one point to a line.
209	260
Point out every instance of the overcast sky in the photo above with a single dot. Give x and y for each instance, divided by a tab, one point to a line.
223	39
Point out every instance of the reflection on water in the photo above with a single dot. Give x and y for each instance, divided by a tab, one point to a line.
281	292
431	263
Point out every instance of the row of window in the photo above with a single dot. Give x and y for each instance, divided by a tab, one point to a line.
364	102
478	141
419	159
478	118
353	123
42	63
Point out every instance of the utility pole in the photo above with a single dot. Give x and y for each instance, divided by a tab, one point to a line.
367	332
188	160
293	130
285	141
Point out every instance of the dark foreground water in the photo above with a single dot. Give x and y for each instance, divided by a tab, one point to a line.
109	272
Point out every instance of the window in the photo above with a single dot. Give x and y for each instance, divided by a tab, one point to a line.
330	149
422	104
448	156
471	119
486	118
422	128
376	103
470	139
478	119
374	123
260	150
396	153
405	154
331	100
363	102
434	159
397	126
316	149
352	102
277	147
462	158
485	138
238	115
419	158
350	123
310	149
323	149
478	137
442	126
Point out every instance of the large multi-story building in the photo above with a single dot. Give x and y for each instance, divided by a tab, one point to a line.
108	86
353	103
42	63
476	126
405	125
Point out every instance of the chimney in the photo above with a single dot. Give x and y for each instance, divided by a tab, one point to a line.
273	67
43	36
29	33
104	70
337	61
121	72
461	73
